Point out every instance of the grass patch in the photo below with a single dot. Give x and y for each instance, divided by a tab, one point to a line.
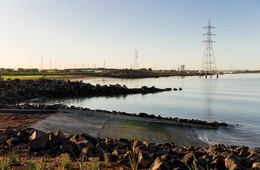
65	162
5	164
106	157
94	166
13	157
28	77
133	160
32	165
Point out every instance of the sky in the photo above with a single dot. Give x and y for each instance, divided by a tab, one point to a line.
105	33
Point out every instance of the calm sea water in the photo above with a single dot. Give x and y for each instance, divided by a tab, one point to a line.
234	99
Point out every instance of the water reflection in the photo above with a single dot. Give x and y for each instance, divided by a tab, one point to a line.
130	83
208	95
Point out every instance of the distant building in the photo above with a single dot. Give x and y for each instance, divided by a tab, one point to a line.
182	68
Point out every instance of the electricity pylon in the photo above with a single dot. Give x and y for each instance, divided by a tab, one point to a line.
208	64
136	66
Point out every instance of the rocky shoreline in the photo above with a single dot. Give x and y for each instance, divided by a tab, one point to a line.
84	147
15	91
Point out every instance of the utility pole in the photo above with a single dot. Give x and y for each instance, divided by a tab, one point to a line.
41	63
50	64
208	64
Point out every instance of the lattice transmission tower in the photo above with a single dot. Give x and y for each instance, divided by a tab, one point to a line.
136	66
208	64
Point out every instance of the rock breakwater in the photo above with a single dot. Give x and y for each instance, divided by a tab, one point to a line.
153	156
15	91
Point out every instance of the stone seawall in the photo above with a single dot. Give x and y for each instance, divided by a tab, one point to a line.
148	155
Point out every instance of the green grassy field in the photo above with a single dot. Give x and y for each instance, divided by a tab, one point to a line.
28	77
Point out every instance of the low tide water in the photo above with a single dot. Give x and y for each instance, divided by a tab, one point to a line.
234	99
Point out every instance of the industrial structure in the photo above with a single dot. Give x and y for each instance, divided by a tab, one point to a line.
208	67
136	66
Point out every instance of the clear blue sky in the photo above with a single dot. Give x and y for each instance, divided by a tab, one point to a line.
166	33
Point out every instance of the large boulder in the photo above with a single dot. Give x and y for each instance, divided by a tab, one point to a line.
143	115
36	134
256	165
144	159
3	139
160	150
55	140
13	141
232	163
23	135
83	144
86	153
9	131
218	163
188	159
119	150
158	164
124	141
244	152
83	136
136	144
151	147
68	146
38	144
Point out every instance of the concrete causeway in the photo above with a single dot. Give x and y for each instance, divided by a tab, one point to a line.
114	126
